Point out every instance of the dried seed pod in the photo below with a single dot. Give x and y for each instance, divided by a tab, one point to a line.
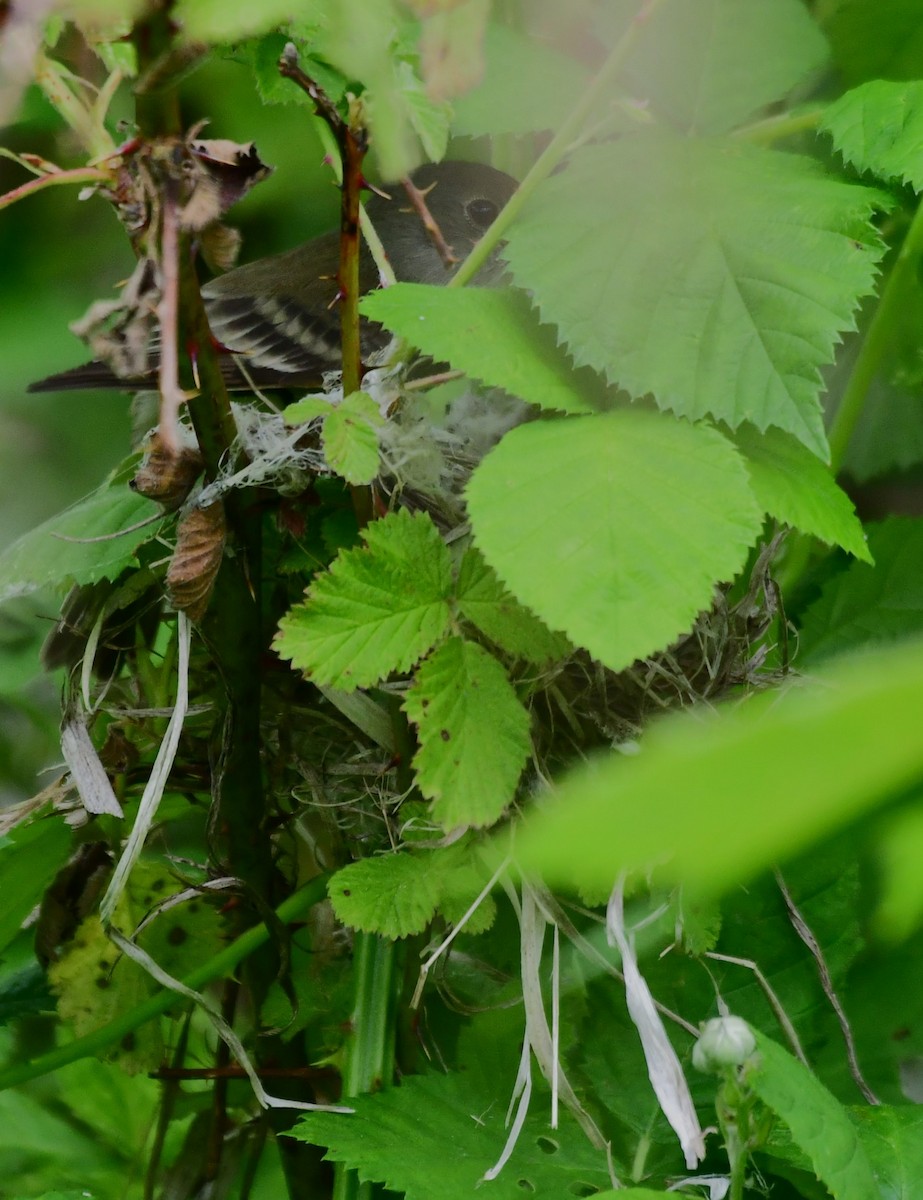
165	476
196	559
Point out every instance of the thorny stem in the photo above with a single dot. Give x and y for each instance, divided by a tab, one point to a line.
558	146
352	143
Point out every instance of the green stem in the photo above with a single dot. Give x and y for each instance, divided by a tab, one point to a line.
558	146
774	129
877	339
370	1050
220	965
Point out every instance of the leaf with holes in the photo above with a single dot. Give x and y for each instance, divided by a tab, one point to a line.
455	1125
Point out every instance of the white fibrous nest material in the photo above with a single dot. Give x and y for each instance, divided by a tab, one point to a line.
276	454
430	448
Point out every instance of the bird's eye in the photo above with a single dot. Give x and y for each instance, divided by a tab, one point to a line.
481	212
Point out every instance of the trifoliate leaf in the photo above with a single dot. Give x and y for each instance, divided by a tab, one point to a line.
349	438
484	601
493	336
473	733
646	515
796	488
394	895
818	1123
707	65
878	127
867	604
377	610
452	1151
805	763
665	265
67	547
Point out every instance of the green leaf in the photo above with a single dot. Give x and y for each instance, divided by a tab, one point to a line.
63	548
542	77
484	601
900	852
362	40
30	857
377	610
707	65
473	734
684	282
819	1124
892	1137
308	408
349	438
803	763
793	486
878	127
598	555
869	605
875	39
493	336
455	1125
231	20
394	895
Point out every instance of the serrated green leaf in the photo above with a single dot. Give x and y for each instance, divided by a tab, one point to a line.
484	601
795	487
491	335
452	1151
377	610
665	265
598	554
308	408
878	127
62	549
818	1123
868	605
473	734
708	65
804	763
394	895
542	77
350	440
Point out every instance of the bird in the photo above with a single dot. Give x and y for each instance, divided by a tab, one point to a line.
276	319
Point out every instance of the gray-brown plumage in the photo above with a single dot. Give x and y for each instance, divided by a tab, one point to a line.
278	317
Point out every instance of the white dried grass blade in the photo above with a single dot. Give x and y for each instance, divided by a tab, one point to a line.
88	773
521	1113
222	1028
532	935
663	1066
153	791
459	926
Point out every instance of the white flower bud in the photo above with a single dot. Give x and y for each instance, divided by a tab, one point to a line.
723	1042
